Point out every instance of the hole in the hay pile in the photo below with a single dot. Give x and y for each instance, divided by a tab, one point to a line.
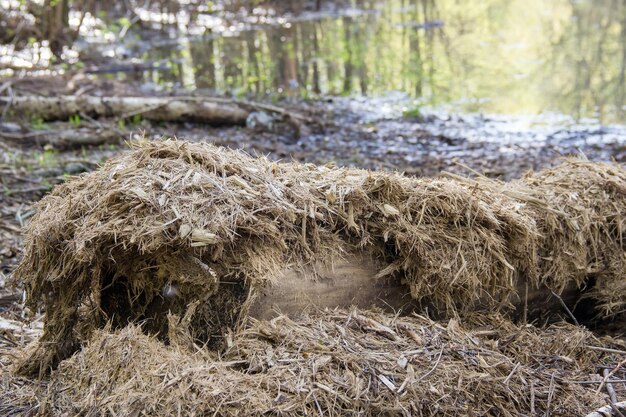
218	314
591	316
585	310
121	307
114	300
212	318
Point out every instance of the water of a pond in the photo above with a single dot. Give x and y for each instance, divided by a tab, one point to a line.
511	57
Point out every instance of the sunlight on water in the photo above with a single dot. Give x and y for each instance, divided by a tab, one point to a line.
500	56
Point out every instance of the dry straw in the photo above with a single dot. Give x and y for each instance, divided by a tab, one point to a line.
334	363
170	224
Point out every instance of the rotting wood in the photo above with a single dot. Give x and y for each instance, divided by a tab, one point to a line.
210	110
177	109
352	282
65	138
348	282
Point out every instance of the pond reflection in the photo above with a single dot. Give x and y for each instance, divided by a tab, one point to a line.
496	56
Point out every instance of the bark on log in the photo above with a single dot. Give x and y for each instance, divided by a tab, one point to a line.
349	282
152	108
65	138
353	282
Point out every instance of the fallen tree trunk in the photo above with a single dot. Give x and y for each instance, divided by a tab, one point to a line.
65	138
179	109
352	282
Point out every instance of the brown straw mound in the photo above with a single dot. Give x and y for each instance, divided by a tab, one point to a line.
337	363
218	224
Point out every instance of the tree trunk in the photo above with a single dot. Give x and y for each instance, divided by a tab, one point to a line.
56	24
353	282
179	109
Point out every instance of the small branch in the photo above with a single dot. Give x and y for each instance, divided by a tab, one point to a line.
433	368
9	341
550	396
609	375
607	350
591	382
569	312
612	395
508	378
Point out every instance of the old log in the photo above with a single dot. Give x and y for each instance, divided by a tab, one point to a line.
353	282
65	138
178	109
348	282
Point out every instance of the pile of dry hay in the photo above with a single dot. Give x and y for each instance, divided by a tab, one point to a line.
218	224
336	363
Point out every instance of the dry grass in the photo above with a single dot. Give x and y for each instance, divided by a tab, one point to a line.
335	363
218	224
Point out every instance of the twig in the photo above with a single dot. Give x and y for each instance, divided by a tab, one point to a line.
433	368
85	7
5	86
592	382
532	398
550	396
610	374
612	394
6	339
569	312
369	323
508	378
607	350
473	171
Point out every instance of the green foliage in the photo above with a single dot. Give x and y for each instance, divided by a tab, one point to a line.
75	120
38	123
136	119
133	121
124	21
413	113
48	158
